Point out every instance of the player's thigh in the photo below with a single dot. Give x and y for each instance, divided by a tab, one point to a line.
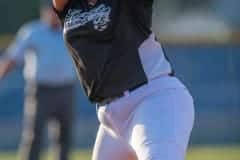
162	124
110	147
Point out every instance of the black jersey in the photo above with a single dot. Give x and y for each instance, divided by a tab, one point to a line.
104	40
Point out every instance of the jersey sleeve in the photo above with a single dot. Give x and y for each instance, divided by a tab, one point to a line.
22	42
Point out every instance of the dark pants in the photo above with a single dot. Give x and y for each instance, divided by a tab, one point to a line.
42	104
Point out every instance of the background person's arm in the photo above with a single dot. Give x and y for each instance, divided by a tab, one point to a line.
15	52
6	66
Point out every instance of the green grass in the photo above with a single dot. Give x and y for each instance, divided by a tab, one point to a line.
214	153
195	153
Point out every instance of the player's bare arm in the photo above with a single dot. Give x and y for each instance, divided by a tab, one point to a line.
59	4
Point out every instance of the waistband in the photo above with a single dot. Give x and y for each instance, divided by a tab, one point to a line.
40	86
55	87
140	86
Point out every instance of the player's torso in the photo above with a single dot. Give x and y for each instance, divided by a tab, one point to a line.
105	41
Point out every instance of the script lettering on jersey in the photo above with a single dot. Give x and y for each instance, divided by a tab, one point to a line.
99	16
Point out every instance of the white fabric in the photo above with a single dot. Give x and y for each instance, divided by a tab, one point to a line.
153	122
153	59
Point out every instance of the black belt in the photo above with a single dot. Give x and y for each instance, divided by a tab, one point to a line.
108	100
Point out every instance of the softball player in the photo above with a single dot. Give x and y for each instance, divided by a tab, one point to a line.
145	112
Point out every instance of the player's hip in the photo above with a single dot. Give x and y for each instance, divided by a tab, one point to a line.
117	114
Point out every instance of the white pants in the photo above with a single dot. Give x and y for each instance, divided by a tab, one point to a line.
153	122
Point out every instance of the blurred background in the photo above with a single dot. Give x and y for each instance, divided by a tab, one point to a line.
202	41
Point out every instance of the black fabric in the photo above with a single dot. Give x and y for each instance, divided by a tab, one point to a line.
107	61
44	103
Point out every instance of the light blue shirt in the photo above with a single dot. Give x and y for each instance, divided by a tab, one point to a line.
47	60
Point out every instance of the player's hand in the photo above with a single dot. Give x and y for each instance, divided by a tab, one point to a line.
1	69
5	67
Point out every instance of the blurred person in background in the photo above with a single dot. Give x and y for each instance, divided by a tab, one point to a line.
50	79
